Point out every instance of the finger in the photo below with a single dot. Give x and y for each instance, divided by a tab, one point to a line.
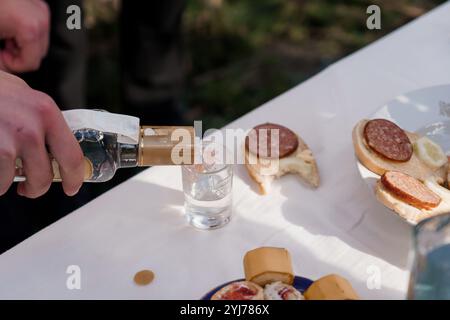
40	4
7	165
25	56
64	148
11	46
9	49
45	42
36	167
44	23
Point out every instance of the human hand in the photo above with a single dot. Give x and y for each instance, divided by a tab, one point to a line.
24	28
31	126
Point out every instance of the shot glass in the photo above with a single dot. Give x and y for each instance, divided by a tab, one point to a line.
208	193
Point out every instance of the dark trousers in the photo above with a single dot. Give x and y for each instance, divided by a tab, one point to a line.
151	66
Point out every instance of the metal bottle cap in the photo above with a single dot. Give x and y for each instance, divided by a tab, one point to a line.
166	145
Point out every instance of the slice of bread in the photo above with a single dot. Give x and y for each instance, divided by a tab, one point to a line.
409	212
300	162
379	165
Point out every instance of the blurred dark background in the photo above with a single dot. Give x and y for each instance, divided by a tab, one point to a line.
241	53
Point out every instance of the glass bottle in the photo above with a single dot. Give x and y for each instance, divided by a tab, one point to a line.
158	145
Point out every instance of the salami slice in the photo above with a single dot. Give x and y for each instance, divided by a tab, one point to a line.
410	190
287	144
388	140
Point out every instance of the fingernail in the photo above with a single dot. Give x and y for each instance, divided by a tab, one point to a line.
71	194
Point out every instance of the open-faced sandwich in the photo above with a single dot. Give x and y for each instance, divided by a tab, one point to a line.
272	150
411	168
269	276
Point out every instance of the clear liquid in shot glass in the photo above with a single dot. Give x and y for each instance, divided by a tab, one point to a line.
208	194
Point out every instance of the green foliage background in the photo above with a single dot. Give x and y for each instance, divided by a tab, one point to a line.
242	53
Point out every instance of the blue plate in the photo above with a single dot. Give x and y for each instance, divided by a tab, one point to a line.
300	283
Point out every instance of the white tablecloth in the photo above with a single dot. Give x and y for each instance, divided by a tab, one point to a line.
339	228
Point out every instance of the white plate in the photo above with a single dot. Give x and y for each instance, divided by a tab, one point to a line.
424	111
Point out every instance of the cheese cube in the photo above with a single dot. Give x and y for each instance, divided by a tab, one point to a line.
331	287
267	264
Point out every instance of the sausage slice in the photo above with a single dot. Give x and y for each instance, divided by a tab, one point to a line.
410	190
388	140
287	144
